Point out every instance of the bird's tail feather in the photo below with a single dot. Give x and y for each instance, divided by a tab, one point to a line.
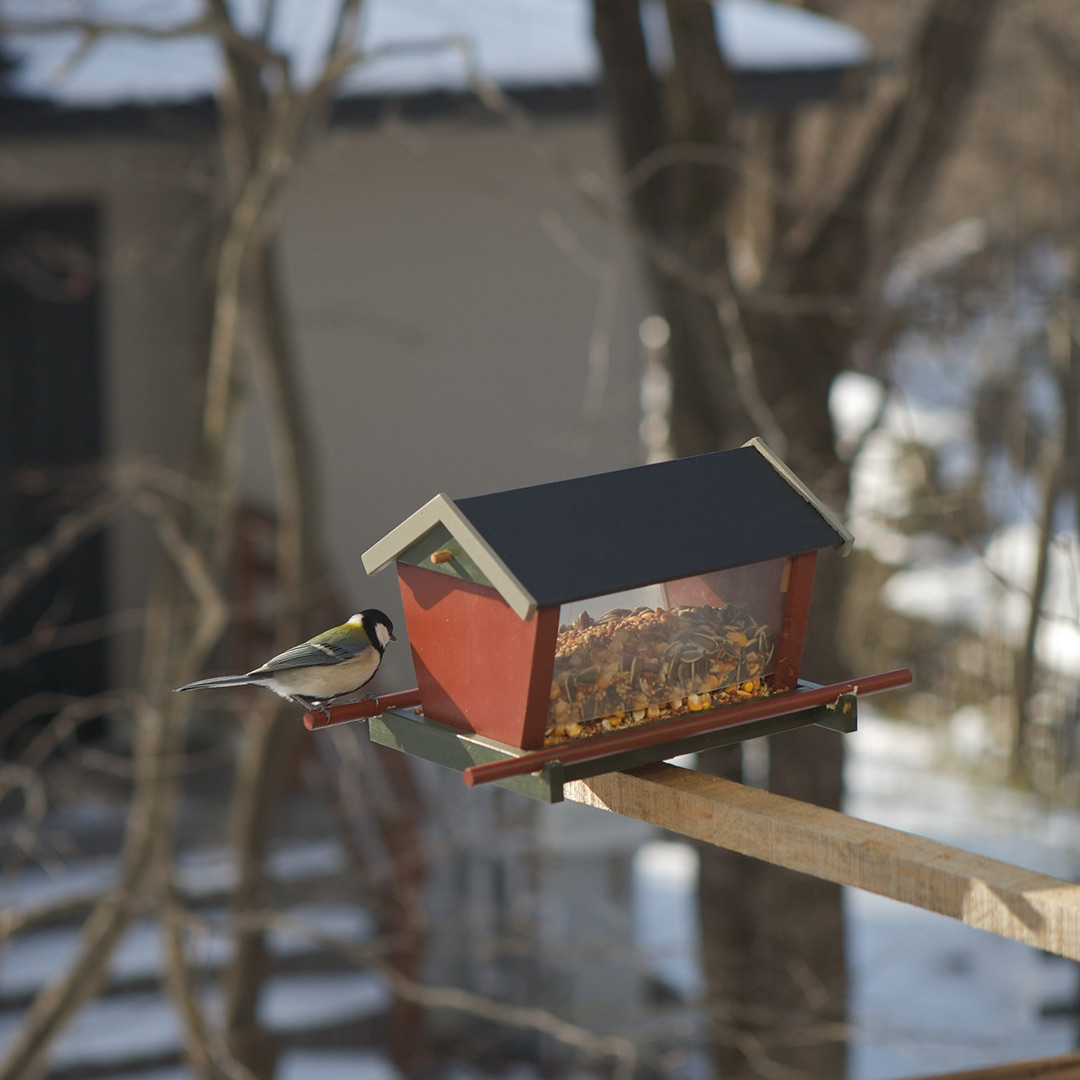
221	680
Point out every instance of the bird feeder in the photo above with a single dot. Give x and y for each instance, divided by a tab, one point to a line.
628	607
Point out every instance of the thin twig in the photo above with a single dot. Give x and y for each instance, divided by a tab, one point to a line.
49	637
193	571
608	275
104	927
741	355
90	31
452	998
34	562
180	984
27	829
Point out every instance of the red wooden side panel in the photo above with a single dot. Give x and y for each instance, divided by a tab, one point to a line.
789	648
478	666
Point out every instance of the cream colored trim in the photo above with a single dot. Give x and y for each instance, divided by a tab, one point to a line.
443	510
418	523
766	452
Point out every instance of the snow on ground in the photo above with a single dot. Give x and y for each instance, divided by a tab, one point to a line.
665	915
296	1002
987	592
113	1029
135	1024
337	1065
990	595
49	883
927	994
30	959
311	1065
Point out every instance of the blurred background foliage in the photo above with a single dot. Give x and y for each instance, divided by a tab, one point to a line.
263	292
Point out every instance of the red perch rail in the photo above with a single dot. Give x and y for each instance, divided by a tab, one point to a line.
362	710
649	734
618	742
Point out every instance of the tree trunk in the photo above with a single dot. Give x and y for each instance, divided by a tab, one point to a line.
773	940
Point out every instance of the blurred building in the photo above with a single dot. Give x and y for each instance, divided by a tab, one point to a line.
463	322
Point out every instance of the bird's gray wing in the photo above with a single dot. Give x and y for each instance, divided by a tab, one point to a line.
312	654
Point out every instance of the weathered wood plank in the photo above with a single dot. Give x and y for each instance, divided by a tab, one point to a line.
1015	903
1065	1067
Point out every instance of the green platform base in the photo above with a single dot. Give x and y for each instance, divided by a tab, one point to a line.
413	733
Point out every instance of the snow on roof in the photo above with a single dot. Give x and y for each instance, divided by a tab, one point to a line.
521	43
762	36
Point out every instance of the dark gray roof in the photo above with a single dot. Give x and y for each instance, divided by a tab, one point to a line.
600	534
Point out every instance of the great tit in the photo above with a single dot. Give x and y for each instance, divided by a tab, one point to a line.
333	664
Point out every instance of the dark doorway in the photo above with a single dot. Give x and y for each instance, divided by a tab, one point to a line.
50	423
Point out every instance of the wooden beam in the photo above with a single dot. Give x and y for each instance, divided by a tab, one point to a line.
1065	1067
1026	906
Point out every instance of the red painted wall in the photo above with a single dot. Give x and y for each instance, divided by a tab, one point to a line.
478	666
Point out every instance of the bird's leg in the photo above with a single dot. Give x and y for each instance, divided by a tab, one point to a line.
312	705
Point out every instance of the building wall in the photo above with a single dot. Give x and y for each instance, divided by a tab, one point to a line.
444	285
445	288
151	197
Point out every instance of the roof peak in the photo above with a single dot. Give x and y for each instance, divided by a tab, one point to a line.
588	536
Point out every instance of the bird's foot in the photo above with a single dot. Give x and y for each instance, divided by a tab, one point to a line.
353	698
312	705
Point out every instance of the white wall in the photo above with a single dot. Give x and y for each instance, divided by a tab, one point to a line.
443	288
444	332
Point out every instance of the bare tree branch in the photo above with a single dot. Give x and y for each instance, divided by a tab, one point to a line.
185	994
451	998
339	44
742	365
633	100
50	637
901	161
194	572
91	31
24	835
112	913
34	562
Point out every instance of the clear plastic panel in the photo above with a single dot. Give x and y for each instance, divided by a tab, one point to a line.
666	649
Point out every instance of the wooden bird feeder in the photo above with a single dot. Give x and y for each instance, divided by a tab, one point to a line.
679	555
635	612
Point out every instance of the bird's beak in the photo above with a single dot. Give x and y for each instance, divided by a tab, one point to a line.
393	637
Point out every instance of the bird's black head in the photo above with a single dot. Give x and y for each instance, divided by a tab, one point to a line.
378	627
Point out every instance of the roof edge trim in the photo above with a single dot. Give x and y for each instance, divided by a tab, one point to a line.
443	510
763	448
